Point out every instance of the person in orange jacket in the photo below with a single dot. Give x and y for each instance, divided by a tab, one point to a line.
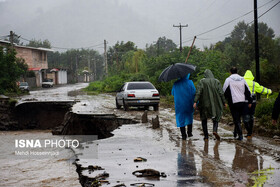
254	88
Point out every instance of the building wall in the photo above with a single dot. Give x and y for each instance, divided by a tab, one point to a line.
58	77
51	76
31	81
38	75
33	58
62	77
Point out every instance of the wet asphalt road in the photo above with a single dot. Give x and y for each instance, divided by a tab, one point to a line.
192	162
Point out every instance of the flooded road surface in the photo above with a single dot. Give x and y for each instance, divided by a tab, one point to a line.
19	172
193	162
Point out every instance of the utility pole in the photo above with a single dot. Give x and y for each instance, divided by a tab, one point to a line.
158	48
190	49
12	39
76	73
257	55
180	28
88	63
105	57
94	64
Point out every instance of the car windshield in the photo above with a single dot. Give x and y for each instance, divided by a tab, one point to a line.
23	84
140	86
48	80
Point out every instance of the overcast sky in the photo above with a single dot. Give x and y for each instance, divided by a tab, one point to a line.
86	23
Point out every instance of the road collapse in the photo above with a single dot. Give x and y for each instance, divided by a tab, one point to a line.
58	116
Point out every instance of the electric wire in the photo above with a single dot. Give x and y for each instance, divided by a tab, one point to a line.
266	11
235	20
66	48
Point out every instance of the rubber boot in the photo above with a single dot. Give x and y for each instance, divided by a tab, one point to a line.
251	125
247	127
250	129
183	133
190	130
205	130
239	131
247	123
235	132
215	130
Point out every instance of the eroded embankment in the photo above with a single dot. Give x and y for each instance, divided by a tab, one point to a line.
41	115
57	115
90	124
8	119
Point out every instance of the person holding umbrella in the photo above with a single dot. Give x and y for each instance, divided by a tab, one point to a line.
210	98
183	91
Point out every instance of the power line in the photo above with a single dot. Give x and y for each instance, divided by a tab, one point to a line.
232	20
4	36
55	47
236	19
266	11
204	8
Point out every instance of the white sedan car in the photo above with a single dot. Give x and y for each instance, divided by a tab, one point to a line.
137	94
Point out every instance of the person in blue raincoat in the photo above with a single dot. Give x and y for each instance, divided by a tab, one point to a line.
184	91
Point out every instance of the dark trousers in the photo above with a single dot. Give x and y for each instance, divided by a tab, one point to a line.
183	131
239	110
249	126
205	128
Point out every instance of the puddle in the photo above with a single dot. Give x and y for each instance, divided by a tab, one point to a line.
116	155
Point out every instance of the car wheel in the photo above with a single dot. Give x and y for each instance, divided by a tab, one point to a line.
125	106
155	107
117	104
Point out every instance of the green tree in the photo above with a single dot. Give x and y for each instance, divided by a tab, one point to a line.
161	46
11	69
134	62
39	43
117	56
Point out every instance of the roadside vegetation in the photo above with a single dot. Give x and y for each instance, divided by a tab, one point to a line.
11	68
127	63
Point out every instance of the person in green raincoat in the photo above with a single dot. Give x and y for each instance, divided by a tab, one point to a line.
211	100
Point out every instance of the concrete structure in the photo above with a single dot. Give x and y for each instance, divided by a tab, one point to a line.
59	76
35	58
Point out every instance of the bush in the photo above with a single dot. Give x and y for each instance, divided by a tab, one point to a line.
139	77
12	102
264	107
110	84
263	114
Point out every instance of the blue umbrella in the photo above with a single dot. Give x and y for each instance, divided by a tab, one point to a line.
175	71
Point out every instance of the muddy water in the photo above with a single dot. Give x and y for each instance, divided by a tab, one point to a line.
191	162
116	155
53	94
38	172
49	171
